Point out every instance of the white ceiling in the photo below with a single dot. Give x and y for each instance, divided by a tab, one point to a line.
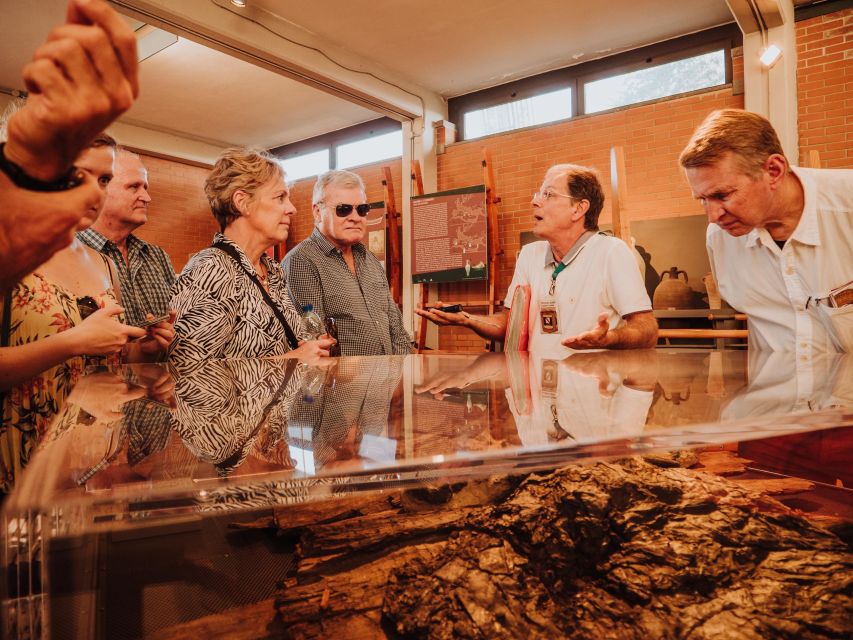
446	46
454	47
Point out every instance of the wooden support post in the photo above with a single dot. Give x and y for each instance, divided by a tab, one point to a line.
418	189
619	195
814	159
494	239
394	256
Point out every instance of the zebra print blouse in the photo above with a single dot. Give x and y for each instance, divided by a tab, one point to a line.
221	313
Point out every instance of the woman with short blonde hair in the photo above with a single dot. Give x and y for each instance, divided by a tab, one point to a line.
231	298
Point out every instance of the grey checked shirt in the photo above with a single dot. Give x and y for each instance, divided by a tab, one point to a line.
146	279
369	322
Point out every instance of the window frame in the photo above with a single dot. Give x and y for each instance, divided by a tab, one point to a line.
655	61
726	37
572	103
333	139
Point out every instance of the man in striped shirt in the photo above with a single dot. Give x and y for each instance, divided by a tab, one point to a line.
334	272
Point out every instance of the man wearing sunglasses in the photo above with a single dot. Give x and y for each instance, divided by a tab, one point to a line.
333	271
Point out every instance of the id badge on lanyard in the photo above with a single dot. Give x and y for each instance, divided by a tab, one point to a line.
549	316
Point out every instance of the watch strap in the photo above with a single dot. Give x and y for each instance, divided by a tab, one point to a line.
72	178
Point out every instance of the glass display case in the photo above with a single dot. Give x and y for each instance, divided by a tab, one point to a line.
146	466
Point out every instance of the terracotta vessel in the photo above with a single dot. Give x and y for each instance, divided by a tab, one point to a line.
673	292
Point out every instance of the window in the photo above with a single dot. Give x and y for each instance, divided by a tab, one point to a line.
697	61
306	165
367	150
547	107
661	81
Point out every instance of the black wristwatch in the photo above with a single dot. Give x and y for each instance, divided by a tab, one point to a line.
72	178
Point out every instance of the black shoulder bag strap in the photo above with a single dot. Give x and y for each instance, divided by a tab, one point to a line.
7	318
231	251
5	333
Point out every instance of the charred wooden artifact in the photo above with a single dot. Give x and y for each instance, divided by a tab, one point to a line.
613	550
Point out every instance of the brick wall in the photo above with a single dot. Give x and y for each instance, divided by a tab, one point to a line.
179	218
825	88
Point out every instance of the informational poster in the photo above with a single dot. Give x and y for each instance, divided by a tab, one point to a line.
375	238
449	236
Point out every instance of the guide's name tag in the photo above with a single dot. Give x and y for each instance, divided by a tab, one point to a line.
550	377
548	316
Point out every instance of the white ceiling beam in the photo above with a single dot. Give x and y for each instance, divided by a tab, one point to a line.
770	92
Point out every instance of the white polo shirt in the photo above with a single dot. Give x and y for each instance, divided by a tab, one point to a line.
778	288
602	276
583	412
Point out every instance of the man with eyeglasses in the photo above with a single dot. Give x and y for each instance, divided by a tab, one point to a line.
780	238
334	272
586	290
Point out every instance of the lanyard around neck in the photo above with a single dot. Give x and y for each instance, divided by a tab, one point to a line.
567	260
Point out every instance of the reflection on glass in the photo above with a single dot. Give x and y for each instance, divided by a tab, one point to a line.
241	434
344	423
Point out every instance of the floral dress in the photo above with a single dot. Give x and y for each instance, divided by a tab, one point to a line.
40	309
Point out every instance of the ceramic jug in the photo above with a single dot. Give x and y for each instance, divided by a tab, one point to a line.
673	292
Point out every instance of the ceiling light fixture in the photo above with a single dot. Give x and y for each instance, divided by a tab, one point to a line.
770	56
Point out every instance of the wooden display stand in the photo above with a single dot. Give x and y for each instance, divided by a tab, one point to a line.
494	245
395	272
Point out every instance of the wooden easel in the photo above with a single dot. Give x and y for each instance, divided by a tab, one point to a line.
494	243
492	201
394	255
418	190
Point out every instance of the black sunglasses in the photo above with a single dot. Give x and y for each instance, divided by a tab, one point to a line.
87	305
343	210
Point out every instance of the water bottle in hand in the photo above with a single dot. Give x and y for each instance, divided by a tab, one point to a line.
313	323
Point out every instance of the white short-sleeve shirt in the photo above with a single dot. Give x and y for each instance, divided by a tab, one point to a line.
603	276
784	291
580	408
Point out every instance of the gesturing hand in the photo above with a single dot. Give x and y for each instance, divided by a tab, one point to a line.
441	318
595	338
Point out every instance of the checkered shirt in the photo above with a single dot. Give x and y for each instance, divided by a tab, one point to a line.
369	322
146	279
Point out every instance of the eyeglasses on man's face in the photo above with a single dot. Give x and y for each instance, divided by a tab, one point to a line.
543	195
343	210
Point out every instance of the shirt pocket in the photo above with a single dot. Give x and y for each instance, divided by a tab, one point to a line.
839	324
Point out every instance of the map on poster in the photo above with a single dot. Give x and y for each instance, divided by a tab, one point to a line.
449	236
375	239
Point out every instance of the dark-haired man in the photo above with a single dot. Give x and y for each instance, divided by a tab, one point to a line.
578	277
